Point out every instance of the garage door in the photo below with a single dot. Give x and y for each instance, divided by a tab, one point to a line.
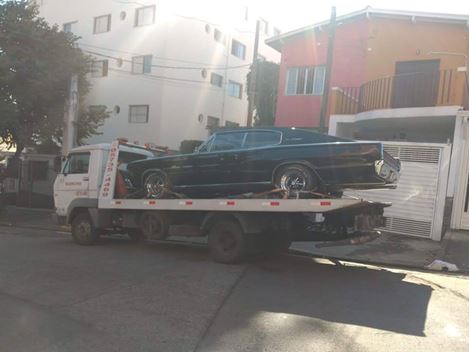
419	200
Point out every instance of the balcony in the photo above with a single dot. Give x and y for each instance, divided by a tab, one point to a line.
426	89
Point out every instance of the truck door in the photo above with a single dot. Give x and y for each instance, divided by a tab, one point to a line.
73	182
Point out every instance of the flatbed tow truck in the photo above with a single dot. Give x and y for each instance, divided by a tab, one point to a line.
236	227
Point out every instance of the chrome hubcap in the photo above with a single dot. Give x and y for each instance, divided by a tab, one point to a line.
155	186
293	182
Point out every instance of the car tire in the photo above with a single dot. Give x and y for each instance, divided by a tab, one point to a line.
296	177
83	230
156	185
228	244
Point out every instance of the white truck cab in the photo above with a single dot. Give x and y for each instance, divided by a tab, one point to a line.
79	182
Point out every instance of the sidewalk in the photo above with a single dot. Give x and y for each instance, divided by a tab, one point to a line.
399	250
387	249
29	218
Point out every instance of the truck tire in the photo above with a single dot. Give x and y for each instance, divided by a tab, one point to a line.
155	225
228	244
83	230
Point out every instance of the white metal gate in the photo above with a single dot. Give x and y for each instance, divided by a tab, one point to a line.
419	199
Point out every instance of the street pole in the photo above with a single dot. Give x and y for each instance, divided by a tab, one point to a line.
254	73
329	63
69	134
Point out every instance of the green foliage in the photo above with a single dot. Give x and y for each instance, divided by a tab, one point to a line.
265	92
37	62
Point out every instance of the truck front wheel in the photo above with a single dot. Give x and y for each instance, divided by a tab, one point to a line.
227	242
83	231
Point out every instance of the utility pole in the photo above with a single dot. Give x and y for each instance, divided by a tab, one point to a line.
69	134
329	63
254	73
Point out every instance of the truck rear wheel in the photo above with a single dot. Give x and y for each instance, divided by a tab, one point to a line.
155	225
227	242
83	230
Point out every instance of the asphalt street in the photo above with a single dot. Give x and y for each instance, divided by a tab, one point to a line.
119	296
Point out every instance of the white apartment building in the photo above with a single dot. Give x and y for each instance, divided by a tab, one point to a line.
167	70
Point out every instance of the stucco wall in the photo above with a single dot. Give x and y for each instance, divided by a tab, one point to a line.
367	49
392	40
310	50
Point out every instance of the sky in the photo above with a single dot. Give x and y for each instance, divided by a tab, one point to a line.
293	14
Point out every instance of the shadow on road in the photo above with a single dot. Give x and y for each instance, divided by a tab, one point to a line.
288	297
353	295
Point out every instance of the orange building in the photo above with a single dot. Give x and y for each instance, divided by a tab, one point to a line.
399	77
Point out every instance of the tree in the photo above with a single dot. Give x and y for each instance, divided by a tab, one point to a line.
37	62
265	92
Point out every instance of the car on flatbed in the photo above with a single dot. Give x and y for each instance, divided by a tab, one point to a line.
245	160
86	197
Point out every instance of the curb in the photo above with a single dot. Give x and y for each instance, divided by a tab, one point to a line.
376	263
46	228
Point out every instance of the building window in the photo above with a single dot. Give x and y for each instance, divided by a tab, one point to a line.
216	80
263	26
145	16
235	89
142	64
213	124
138	113
231	124
276	31
219	36
238	49
102	24
68	27
305	80
99	68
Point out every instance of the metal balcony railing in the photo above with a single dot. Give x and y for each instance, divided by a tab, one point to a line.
422	89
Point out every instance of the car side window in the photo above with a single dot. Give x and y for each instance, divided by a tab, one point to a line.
77	164
256	139
227	141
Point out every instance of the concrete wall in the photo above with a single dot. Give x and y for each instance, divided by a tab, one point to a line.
182	36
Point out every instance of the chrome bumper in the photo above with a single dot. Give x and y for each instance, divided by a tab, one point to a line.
386	172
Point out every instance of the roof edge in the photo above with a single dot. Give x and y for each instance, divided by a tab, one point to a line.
276	42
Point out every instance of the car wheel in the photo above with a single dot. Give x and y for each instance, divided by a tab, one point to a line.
227	242
296	178
156	185
83	231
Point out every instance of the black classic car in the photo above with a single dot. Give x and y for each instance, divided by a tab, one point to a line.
245	160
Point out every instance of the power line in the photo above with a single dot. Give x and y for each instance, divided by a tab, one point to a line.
158	77
170	81
140	54
170	67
